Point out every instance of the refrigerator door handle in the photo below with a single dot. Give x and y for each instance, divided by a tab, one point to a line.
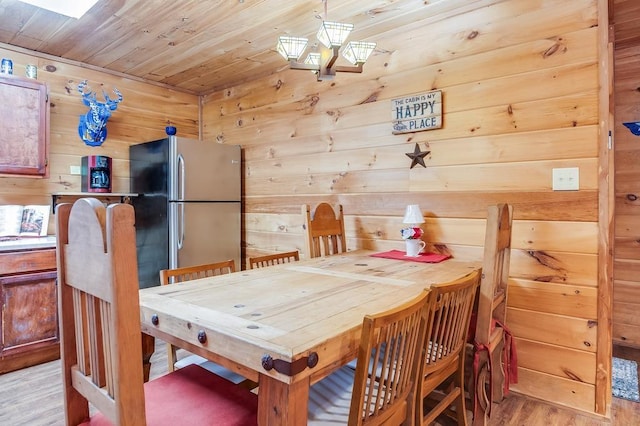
181	226
181	183
180	178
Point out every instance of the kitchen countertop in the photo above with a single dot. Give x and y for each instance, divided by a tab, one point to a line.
28	243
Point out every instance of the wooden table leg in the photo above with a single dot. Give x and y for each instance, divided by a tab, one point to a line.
148	346
281	403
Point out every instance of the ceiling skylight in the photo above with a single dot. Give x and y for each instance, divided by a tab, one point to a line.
72	8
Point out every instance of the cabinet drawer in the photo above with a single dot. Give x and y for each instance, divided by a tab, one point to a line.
27	261
29	311
28	320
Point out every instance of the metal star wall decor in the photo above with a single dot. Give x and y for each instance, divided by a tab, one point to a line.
417	156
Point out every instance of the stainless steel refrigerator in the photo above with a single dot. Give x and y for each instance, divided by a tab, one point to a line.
189	204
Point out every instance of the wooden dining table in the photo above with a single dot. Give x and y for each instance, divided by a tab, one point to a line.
286	326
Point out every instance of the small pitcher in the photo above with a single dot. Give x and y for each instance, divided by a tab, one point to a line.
415	247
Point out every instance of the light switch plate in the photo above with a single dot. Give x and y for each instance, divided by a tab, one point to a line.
566	179
74	170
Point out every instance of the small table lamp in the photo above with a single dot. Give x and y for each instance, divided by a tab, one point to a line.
413	217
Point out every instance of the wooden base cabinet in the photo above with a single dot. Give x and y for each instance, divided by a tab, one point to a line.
29	320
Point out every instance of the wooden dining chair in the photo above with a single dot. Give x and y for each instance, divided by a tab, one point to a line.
443	358
100	335
187	273
390	345
273	259
325	230
493	357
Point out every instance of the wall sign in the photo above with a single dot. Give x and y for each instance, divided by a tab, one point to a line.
415	113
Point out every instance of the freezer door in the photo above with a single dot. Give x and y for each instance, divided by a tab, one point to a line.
148	167
152	237
206	232
207	171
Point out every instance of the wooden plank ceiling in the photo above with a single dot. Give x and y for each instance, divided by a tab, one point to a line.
197	46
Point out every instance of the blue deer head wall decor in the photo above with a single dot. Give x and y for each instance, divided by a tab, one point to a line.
93	124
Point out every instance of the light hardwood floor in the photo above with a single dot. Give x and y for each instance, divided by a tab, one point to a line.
33	396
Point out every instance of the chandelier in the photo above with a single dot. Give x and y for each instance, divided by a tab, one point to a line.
331	35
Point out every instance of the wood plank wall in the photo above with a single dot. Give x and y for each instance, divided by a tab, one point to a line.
626	295
141	116
520	88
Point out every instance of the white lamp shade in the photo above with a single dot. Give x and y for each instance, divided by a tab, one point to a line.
291	48
357	52
313	58
333	34
413	215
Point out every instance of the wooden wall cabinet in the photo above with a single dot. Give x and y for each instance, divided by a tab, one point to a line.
24	129
29	307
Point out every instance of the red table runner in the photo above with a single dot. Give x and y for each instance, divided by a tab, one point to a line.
422	257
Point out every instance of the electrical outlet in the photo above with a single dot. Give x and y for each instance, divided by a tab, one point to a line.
74	170
566	179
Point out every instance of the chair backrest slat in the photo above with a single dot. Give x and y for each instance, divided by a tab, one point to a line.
449	319
188	273
324	230
273	259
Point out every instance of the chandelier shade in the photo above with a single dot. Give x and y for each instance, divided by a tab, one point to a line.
313	59
357	52
333	34
291	48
